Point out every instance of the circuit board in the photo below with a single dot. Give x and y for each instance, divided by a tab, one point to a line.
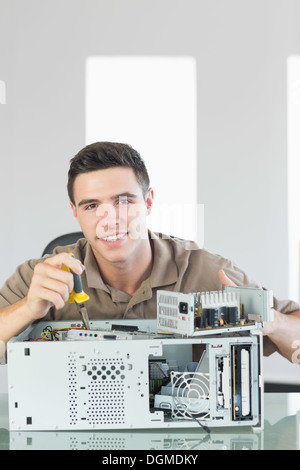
204	313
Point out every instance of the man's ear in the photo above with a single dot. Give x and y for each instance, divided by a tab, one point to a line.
73	207
149	200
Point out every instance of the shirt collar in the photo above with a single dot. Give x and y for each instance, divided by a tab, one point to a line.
164	269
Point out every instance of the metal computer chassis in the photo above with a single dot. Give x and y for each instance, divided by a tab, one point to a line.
103	382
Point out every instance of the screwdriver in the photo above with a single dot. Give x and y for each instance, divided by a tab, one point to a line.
79	296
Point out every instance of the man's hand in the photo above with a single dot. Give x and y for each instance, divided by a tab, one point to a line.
51	285
224	279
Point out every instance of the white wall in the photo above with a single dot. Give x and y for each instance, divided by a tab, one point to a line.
241	48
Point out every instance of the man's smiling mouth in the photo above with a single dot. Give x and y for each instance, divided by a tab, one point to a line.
113	238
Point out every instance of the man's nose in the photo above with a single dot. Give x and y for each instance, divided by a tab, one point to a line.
107	214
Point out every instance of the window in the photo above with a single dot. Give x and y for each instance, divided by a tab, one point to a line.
2	92
293	137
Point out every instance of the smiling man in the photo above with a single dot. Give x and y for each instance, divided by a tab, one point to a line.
121	262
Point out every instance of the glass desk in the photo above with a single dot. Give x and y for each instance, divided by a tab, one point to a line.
281	432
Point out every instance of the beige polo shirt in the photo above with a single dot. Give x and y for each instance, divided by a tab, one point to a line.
178	266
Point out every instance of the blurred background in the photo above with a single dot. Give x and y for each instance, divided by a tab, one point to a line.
207	90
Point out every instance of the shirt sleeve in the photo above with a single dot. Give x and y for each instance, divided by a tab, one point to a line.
16	287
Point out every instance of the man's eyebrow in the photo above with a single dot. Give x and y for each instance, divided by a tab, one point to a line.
87	201
117	196
133	196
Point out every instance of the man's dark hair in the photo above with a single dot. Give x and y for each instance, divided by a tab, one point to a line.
103	155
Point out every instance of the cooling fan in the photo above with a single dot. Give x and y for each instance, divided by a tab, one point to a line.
190	393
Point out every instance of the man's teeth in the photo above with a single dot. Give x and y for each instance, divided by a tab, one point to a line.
114	237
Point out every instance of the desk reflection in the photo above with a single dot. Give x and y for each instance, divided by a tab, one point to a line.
281	431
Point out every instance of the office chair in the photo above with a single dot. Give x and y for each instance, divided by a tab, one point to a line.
62	240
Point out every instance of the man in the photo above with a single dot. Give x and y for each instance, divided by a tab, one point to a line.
122	264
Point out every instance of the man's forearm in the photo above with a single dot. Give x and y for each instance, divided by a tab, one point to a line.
13	320
284	332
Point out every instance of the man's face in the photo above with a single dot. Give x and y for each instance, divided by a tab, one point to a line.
111	210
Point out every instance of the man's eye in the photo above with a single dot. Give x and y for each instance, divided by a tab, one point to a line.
90	207
123	202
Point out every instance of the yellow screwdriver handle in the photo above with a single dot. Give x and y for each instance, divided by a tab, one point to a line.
77	295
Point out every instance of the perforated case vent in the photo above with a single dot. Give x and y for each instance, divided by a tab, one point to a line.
97	387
